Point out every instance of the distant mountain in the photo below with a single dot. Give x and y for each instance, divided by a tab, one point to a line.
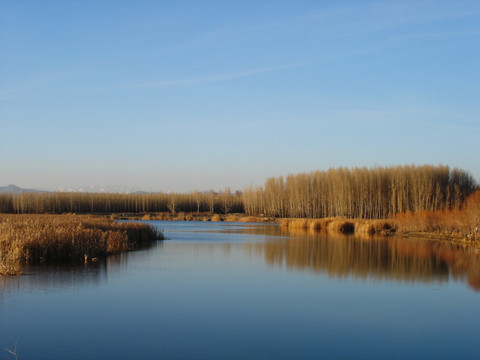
101	189
14	189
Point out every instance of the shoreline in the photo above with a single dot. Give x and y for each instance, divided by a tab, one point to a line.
385	227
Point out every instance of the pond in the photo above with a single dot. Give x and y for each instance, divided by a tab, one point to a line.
250	291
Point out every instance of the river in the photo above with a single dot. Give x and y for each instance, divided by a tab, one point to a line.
250	291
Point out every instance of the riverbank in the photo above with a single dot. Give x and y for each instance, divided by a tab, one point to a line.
192	216
455	226
58	238
345	226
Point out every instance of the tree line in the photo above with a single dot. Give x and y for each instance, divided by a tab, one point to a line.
368	193
222	202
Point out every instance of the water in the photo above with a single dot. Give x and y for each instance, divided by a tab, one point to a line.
246	291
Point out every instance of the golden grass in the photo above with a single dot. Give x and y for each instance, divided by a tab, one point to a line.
50	238
341	225
216	217
462	223
231	218
251	219
147	217
346	226
452	224
383	227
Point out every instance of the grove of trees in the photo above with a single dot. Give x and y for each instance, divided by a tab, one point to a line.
70	202
368	193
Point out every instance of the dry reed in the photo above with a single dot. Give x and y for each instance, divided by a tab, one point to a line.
50	238
346	226
231	218
383	227
216	217
463	223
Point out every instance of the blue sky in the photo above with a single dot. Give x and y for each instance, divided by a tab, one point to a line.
178	96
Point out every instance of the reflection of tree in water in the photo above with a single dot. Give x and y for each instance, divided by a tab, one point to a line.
372	257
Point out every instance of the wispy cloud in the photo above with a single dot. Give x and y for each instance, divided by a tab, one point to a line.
347	21
443	34
199	80
29	84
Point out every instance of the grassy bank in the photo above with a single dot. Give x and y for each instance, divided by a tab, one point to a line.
458	224
50	238
192	216
346	226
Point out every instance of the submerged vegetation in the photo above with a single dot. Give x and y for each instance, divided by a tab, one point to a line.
51	238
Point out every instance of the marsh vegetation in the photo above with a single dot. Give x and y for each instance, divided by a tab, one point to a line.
54	238
378	200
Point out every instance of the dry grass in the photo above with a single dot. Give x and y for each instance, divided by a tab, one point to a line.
253	219
147	217
50	238
346	226
216	217
341	225
463	223
383	227
231	218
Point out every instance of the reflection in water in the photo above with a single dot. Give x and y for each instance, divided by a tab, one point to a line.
65	275
391	258
207	293
396	258
54	277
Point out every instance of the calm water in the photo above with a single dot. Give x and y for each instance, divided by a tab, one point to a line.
246	291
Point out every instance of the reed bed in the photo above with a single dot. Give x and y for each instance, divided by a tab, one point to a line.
231	218
51	238
216	217
346	226
382	227
463	223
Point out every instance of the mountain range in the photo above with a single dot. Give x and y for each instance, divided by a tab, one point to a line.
14	189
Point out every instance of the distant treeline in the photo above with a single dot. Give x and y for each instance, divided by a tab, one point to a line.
368	193
63	202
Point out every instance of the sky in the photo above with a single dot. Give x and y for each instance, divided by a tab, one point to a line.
177	96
